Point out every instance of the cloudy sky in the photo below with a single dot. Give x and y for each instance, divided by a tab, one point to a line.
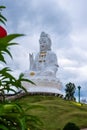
66	23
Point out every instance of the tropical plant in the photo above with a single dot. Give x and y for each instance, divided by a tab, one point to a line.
5	44
7	82
70	91
12	115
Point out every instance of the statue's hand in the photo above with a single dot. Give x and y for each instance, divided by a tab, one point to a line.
31	60
31	56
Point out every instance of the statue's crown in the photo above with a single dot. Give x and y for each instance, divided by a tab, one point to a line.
43	34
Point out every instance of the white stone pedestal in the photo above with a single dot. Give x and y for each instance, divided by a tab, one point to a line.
44	86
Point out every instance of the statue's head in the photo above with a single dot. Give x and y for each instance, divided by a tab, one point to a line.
45	42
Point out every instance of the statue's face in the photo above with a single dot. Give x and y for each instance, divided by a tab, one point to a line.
43	44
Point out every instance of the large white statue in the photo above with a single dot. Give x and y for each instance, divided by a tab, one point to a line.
43	68
45	62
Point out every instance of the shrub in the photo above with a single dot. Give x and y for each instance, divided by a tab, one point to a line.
71	126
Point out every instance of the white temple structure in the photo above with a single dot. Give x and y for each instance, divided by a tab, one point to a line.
43	69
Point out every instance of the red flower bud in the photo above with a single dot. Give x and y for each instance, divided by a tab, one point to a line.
3	32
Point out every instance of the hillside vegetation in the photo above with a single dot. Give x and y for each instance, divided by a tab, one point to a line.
55	112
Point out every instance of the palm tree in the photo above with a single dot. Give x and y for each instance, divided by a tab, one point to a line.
70	90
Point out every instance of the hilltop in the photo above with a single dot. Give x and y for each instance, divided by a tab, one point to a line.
55	112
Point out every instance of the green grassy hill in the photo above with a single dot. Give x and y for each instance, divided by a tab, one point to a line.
55	112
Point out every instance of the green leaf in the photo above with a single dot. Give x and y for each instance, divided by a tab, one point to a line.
2	17
2	21
27	80
5	43
10	37
22	87
3	127
2	7
21	78
2	58
8	52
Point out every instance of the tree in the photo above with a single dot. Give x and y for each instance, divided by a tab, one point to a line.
70	90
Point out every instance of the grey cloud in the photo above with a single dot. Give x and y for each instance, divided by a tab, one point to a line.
77	55
46	15
32	17
77	9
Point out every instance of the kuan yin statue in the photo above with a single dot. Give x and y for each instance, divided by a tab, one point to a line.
43	69
44	65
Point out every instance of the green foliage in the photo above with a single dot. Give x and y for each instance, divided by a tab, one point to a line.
7	81
12	116
5	43
70	90
71	126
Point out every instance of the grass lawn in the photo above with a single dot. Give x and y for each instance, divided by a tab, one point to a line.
55	112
